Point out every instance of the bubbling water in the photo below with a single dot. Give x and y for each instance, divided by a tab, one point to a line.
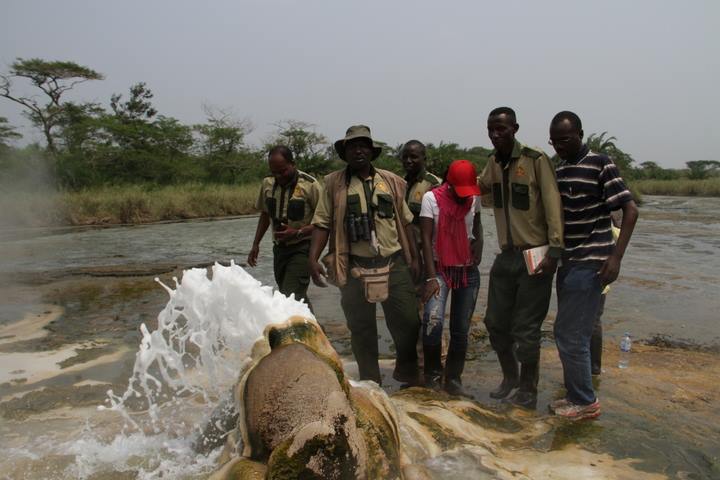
188	363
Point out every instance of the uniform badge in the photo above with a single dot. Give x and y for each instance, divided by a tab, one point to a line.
381	186
418	196
297	192
520	171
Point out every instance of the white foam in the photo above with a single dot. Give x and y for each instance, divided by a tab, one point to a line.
182	370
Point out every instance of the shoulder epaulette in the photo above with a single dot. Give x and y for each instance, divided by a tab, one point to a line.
434	180
531	152
307	177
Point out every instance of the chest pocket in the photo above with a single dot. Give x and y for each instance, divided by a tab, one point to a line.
353	205
296	209
415	208
497	195
385	205
271	206
520	196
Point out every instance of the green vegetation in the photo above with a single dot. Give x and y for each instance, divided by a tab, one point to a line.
127	204
125	162
709	187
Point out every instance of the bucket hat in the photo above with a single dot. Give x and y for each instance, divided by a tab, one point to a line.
463	178
357	131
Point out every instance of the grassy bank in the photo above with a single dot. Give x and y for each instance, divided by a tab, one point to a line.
683	187
126	204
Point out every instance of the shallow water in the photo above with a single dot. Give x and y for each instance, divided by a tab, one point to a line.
91	288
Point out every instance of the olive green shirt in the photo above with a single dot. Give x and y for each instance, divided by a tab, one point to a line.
528	200
295	207
413	197
384	214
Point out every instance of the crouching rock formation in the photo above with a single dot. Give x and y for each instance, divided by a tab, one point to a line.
299	417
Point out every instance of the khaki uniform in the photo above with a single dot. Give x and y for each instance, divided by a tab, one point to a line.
416	190
390	213
524	194
293	205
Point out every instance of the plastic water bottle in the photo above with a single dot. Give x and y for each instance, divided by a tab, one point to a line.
625	347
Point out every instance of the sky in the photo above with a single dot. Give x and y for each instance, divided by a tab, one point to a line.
644	71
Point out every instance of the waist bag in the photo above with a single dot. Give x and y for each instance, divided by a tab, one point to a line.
375	282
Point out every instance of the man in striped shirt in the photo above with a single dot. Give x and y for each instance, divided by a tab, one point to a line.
590	188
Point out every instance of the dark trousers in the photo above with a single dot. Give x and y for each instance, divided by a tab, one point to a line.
517	306
290	265
401	315
579	292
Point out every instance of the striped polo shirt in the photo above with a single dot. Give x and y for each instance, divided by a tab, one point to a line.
590	188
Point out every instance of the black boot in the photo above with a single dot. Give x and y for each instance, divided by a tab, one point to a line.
596	354
454	365
509	367
432	366
526	395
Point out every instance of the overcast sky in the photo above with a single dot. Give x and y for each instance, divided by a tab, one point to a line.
645	71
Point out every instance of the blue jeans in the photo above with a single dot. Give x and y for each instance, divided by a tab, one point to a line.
462	306
578	291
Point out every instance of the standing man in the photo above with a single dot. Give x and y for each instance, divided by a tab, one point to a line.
287	200
364	215
590	187
419	180
519	183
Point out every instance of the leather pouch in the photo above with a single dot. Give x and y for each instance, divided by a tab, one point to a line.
375	282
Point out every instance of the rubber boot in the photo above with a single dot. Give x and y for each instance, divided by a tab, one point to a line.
454	365
526	395
407	373
596	354
432	366
509	367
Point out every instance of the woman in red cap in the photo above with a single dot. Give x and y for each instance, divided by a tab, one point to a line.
452	237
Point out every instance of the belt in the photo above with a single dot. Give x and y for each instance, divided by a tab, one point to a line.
375	262
516	248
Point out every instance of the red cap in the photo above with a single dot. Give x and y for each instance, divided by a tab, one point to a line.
463	178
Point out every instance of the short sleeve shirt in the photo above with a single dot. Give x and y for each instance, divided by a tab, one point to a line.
381	200
590	188
295	207
430	209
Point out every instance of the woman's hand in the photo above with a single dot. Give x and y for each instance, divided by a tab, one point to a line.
431	288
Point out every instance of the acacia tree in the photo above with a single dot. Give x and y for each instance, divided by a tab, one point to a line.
53	78
700	169
7	133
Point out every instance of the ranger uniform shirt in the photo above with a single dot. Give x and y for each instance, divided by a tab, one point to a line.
415	191
525	198
292	205
383	216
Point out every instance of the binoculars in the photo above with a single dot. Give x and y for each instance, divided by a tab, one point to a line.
358	227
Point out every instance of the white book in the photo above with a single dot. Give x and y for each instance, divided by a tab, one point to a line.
533	257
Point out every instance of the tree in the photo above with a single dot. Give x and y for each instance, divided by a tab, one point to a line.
700	169
138	107
606	145
309	147
221	141
53	79
7	133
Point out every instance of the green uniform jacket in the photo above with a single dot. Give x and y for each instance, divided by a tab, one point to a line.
524	194
293	205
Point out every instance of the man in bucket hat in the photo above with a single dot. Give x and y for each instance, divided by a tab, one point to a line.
363	214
